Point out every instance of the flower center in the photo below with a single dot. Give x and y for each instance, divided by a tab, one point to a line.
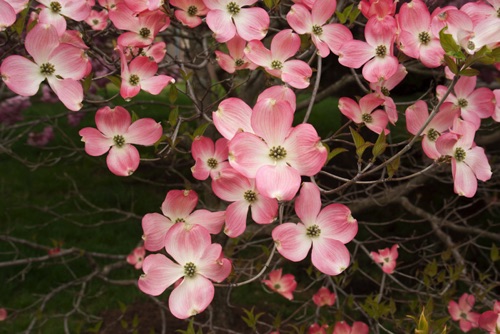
367	118
277	153
460	154
212	163
432	134
55	6
47	69
385	91
462	103
180	220
95	21
144	32
192	10
424	37
250	196
276	65
189	269
381	51
317	30
239	62
471	45
134	80
119	140
498	12
313	231
277	286
233	8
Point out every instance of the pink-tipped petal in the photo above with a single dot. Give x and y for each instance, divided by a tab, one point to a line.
187	243
236	218
123	161
145	131
248	153
281	182
179	203
300	19
308	203
305	152
113	121
335	222
159	273
211	221
21	75
221	24
291	241
95	143
69	91
191	297
252	23
296	73
284	45
264	210
272	120
329	256
232	116
155	227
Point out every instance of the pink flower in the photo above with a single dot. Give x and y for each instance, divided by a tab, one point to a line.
3	314
189	11
198	263
116	133
55	13
387	258
325	37
284	45
376	54
284	285
136	257
317	329
276	155
462	312
363	113
40	139
358	327
324	297
178	208
97	20
383	88
210	158
490	320
231	186
378	8
416	38
474	104
226	18
326	231
60	63
236	60
468	161
140	74
416	116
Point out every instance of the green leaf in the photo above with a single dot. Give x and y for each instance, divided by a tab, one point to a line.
452	65
87	82
200	130
495	53
449	45
173	94
269	3
380	145
18	26
360	150
344	15
423	324
431	268
135	321
393	166
173	116
186	76
115	80
124	323
353	15
135	117
469	72
122	306
494	256
335	152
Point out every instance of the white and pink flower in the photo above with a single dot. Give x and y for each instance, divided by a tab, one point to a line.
285	285
462	312
387	258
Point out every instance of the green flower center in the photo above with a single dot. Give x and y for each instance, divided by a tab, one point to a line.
385	91
277	286
134	80
277	153
462	103
313	231
381	51
460	154
239	62
212	163
233	8
471	45
144	32
424	37
276	65
189	269
367	118
180	220
250	196
95	21
317	30
47	69
432	134
55	6
119	140
192	10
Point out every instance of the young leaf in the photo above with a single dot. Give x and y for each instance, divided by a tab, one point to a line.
392	167
380	145
173	116
452	65
469	72
494	256
172	94
335	152
449	45
135	117
200	130
358	140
